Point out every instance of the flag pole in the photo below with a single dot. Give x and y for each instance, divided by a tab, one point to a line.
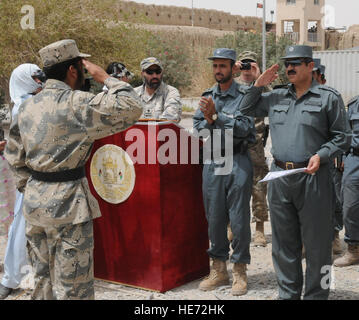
264	62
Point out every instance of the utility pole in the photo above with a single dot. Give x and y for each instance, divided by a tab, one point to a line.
264	62
192	14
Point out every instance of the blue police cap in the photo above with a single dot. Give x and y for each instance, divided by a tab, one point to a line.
322	69
224	53
298	51
316	64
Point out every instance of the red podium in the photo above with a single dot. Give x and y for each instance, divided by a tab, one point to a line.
157	238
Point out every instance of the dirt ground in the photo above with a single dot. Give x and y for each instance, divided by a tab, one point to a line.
262	283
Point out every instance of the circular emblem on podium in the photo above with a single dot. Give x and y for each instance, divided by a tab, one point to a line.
112	173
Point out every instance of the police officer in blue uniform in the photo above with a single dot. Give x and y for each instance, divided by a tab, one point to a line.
226	195
350	191
309	128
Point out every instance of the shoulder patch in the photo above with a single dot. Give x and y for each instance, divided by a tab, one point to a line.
352	100
323	87
209	90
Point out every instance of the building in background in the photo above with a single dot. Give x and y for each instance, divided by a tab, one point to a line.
300	20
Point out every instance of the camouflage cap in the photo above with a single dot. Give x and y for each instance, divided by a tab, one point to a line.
298	51
248	55
60	51
146	63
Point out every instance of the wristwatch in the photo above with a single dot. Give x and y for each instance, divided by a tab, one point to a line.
215	116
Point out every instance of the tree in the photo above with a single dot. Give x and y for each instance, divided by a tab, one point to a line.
248	41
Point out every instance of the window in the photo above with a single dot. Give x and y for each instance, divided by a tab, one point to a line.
316	2
291	2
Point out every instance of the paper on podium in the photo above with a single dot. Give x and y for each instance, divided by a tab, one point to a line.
279	174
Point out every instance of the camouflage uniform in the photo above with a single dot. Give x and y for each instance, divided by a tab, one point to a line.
165	102
256	151
54	132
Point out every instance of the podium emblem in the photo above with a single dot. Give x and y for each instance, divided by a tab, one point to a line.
112	173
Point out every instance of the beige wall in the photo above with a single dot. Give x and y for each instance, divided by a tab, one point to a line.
170	15
303	11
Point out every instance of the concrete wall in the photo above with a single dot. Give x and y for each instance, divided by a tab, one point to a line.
170	15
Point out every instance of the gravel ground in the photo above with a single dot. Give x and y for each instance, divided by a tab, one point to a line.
262	284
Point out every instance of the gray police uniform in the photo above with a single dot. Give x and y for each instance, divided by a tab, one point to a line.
300	212
226	197
351	178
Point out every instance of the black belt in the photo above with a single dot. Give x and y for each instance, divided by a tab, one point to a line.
60	176
354	151
290	165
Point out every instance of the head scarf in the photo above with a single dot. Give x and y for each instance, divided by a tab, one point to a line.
22	84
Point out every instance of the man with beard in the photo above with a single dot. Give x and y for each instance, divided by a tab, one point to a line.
161	101
50	141
308	129
226	196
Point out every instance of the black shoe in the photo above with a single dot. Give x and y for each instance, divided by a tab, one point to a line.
4	291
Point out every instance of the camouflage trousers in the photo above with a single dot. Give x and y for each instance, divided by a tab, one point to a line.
62	258
259	190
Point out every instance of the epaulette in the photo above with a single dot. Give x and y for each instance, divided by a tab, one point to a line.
281	86
352	100
209	90
324	87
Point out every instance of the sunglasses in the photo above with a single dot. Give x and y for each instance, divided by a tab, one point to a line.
293	63
157	71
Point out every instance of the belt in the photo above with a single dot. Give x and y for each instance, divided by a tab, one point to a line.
290	165
354	151
60	176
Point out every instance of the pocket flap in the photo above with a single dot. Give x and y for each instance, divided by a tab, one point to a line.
281	108
311	108
354	116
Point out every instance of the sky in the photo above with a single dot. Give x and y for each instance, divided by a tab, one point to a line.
345	11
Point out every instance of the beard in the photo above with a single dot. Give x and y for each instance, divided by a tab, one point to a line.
224	79
153	83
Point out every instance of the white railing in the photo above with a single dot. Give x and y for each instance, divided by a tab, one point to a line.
294	36
313	37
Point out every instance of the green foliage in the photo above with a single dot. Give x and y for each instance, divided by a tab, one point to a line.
243	41
89	22
175	58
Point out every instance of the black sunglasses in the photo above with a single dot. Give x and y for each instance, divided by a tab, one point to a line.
293	63
157	71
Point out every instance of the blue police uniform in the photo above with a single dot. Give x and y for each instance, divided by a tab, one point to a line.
300	211
227	197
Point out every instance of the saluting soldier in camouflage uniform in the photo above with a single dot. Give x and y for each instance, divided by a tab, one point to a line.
256	151
49	144
161	101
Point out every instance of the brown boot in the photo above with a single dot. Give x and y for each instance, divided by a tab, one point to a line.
259	238
239	285
229	233
217	277
351	256
337	247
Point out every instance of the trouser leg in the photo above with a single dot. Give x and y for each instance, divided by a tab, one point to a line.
351	211
317	232
74	260
238	200
259	190
286	240
214	197
40	260
15	260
